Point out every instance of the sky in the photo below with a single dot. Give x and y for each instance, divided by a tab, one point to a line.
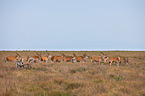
72	24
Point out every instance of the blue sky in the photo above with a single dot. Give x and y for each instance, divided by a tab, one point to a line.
72	24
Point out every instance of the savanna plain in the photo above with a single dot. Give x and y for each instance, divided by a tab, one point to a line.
73	79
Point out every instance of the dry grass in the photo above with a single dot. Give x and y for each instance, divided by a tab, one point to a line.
74	79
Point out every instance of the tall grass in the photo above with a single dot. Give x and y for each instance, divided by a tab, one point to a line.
74	79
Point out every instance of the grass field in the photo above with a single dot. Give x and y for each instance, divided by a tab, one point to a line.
74	79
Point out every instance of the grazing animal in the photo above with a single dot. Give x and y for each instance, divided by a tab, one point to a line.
57	58
114	59
79	58
14	58
34	58
19	64
46	58
67	58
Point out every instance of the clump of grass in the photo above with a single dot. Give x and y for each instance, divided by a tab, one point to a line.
99	80
81	69
57	93
117	78
74	85
59	81
1	76
73	71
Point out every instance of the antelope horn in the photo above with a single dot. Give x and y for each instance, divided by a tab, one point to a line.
102	53
74	54
63	54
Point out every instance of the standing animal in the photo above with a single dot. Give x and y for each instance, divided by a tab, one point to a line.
100	59
57	58
79	58
14	58
46	58
34	58
114	59
67	58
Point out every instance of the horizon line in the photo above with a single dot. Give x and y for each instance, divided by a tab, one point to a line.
72	49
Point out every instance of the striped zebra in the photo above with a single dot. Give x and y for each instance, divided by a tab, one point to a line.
20	64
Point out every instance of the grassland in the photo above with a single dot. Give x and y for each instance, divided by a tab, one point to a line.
74	79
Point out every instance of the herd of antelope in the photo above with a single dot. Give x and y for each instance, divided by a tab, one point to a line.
100	59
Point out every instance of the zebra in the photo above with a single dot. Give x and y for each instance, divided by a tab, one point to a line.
20	64
73	59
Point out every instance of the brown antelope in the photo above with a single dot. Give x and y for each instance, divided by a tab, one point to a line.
79	58
57	58
114	59
46	58
34	58
100	58
67	58
14	58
